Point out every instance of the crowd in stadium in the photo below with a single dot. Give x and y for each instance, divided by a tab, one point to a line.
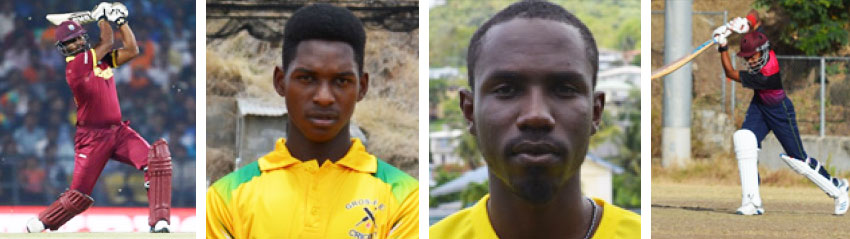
37	110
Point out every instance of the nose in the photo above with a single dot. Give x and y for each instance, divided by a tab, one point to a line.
324	97
536	114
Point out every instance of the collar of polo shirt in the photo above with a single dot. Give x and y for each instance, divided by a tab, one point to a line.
356	159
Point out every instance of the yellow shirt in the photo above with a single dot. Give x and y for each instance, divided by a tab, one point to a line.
474	222
280	196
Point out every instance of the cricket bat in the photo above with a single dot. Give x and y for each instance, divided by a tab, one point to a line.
669	68
81	17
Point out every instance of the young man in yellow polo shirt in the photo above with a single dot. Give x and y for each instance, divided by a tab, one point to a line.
533	108
318	182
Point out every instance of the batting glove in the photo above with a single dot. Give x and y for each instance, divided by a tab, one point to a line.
720	35
100	10
119	13
739	25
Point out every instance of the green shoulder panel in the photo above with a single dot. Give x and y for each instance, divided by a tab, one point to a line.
401	183
227	184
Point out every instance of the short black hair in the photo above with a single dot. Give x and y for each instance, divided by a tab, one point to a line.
531	9
323	22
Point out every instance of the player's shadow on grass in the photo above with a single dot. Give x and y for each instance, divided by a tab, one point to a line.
696	209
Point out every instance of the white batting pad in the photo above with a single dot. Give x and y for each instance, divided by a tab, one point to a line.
746	151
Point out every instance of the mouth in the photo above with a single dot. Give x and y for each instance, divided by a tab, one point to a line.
536	152
323	119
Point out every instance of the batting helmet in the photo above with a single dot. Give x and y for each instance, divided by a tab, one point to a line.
68	31
752	42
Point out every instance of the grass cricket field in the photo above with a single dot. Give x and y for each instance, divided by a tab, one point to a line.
707	210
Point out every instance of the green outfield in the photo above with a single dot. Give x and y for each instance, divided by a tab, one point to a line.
99	235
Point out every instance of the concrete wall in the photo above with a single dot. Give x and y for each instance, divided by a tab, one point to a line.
834	151
258	136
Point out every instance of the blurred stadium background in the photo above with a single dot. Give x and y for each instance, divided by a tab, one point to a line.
37	113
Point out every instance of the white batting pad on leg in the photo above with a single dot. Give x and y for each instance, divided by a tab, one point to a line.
746	151
814	171
842	202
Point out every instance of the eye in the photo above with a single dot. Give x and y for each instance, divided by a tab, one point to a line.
341	81
305	78
565	90
505	90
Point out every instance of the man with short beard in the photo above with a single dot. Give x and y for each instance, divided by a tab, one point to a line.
533	108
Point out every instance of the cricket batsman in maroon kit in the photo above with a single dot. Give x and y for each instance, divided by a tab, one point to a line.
101	134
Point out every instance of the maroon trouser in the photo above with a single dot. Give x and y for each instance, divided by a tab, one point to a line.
95	145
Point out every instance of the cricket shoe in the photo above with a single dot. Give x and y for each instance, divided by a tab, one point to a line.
161	226
750	209
841	202
34	225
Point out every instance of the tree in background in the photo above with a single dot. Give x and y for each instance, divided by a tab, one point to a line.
467	149
614	23
437	91
627	184
473	192
442	176
814	27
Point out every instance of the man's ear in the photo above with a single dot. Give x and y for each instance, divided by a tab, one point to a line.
364	86
278	79
598	106
467	105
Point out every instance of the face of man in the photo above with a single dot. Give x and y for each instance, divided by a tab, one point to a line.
533	109
321	87
753	60
75	44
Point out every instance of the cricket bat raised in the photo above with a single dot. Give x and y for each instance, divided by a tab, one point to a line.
669	68
81	17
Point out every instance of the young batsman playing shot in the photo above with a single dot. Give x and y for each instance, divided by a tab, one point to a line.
101	135
769	110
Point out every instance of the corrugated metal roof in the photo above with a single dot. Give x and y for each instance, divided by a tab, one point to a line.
259	106
614	168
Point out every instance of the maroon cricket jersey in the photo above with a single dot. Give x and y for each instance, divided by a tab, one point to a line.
93	87
767	83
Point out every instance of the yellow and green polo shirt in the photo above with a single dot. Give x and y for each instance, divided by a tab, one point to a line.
474	222
279	196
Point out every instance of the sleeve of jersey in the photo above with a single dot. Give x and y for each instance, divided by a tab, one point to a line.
110	58
759	81
406	224
219	220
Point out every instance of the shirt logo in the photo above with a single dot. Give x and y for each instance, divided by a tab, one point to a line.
367	226
105	74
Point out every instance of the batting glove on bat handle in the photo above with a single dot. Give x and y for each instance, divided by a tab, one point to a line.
100	10
118	15
739	25
720	35
122	10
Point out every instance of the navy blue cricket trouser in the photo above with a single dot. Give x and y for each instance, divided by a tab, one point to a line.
779	118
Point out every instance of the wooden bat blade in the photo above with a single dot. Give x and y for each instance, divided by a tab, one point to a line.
670	68
81	17
56	19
